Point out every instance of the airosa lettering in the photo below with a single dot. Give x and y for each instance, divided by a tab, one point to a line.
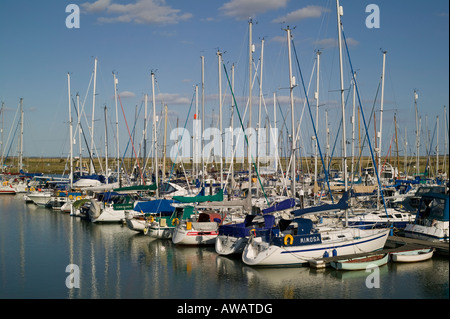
227	308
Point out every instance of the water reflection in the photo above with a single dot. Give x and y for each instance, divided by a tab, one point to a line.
36	245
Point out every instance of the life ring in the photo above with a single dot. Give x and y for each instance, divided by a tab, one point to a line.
145	231
253	232
5	183
175	221
31	189
291	240
152	219
78	198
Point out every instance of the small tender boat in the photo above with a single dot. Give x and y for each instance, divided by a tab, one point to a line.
361	263
413	255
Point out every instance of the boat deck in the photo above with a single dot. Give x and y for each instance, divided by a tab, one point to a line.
393	244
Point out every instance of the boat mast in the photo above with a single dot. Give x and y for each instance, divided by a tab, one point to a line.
116	81
381	124
219	57
70	133
21	135
80	147
93	112
259	112
344	148
317	118
203	118
291	89
437	145
144	155
352	174
417	133
155	139
445	139
106	145
249	145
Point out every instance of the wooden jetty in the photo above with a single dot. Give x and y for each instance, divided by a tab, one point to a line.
393	244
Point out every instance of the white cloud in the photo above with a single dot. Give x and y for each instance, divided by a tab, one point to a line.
172	98
243	9
333	42
95	7
140	12
300	14
126	94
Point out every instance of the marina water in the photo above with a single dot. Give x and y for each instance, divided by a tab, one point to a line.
38	244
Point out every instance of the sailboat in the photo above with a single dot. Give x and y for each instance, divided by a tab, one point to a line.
299	240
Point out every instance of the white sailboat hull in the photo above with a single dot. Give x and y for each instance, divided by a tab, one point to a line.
228	245
198	233
257	252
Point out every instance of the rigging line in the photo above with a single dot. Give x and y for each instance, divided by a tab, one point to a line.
428	155
132	144
312	121
365	124
85	141
245	137
179	144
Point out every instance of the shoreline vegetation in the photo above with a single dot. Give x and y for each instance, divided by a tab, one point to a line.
54	165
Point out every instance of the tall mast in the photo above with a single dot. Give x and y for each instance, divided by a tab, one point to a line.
145	131
70	133
80	146
381	122
445	139
196	131
155	139
93	118
259	111
203	118
21	136
106	145
352	173
219	57
249	146
291	89
116	81
344	148
437	145
317	115
417	133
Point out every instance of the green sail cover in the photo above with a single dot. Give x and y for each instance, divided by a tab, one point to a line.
137	188
200	199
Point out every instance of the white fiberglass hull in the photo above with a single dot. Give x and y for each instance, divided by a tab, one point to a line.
437	232
228	245
108	215
40	198
258	252
159	232
204	234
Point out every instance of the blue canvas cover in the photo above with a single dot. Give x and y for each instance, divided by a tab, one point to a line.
341	205
285	204
156	206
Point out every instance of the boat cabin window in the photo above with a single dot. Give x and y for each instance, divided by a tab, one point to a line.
432	209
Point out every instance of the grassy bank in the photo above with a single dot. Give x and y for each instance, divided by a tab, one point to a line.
61	165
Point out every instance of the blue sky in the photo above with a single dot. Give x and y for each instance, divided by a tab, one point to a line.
134	37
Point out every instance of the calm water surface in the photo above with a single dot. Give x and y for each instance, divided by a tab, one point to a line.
37	244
